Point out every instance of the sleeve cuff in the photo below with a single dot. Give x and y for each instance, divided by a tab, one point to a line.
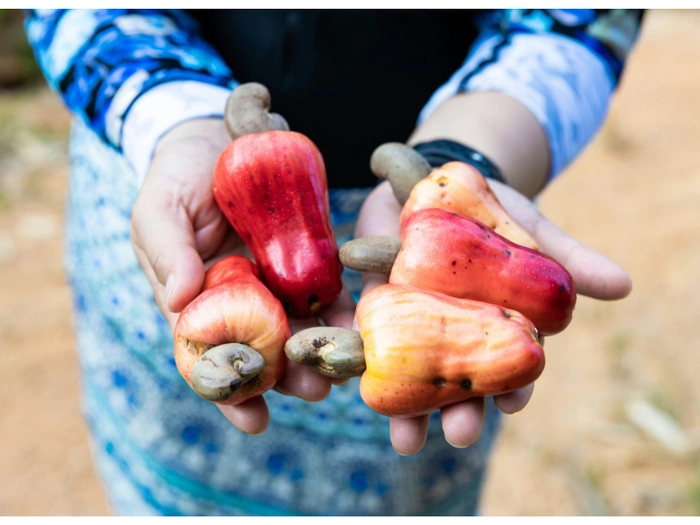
161	108
564	84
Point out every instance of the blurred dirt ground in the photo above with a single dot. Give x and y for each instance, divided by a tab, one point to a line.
613	427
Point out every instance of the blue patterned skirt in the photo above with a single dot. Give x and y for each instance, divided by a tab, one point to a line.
162	450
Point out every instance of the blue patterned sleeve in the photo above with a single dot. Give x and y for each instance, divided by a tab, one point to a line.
563	65
608	33
101	60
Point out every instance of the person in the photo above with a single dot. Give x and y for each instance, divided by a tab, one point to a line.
517	92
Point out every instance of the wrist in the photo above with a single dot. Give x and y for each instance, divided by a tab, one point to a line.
440	151
497	126
162	108
209	131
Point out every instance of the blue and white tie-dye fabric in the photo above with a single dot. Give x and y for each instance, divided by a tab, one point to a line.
160	449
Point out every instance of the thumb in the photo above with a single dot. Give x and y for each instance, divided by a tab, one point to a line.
164	243
378	216
175	224
594	274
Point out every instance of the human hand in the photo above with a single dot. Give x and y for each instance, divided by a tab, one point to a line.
178	231
595	276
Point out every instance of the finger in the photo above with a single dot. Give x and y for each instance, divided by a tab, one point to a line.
183	283
165	246
513	402
408	435
218	240
462	422
369	282
594	274
341	312
297	324
379	214
251	416
372	280
302	382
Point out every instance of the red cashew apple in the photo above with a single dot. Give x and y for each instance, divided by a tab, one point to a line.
229	341
272	188
461	257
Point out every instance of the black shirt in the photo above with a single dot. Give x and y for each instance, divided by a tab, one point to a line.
348	79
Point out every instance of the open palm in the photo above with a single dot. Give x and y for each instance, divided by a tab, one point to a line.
595	276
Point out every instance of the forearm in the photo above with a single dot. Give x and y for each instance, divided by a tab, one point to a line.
131	75
499	127
534	90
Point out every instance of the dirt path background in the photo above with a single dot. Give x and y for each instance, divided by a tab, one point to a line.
613	426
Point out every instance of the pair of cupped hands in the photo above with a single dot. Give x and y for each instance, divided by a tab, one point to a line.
178	232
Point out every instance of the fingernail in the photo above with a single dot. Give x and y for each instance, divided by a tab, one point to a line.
169	284
455	445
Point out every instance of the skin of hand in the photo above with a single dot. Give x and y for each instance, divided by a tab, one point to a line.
178	231
508	134
595	276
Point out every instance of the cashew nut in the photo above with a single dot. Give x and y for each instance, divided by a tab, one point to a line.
370	254
248	111
330	350
221	371
401	165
